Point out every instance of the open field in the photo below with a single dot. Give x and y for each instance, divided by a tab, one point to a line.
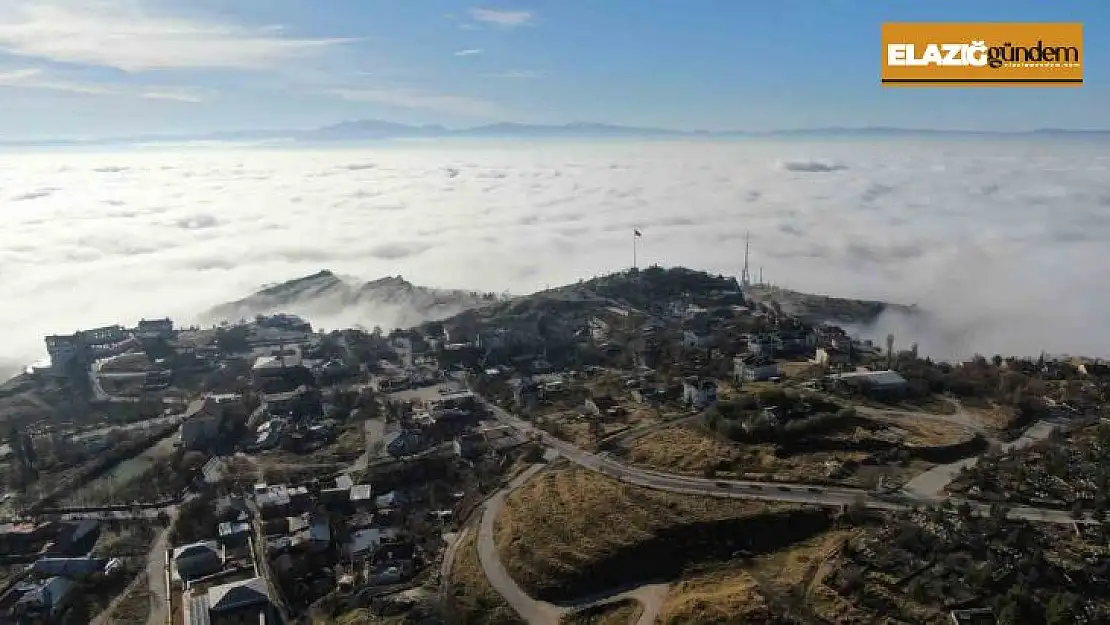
690	450
622	612
472	598
571	533
777	587
727	596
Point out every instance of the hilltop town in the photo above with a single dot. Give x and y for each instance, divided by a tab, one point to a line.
656	445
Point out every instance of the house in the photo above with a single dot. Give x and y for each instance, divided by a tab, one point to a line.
599	405
599	330
763	345
503	438
201	427
755	368
393	563
470	446
361	495
155	328
273	501
246	601
699	393
46	599
881	382
74	568
198	559
234	534
392	499
365	542
692	339
404	443
972	616
832	357
75	539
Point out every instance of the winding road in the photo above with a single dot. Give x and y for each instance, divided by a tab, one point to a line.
651	597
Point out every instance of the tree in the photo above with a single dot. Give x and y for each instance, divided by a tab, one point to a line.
1061	609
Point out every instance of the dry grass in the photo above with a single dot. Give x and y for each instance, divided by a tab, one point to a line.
690	449
717	597
473	598
995	418
924	432
785	580
622	612
558	533
134	608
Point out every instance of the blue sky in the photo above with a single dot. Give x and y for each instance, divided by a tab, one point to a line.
111	67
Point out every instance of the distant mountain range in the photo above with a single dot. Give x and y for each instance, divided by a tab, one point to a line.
331	301
369	130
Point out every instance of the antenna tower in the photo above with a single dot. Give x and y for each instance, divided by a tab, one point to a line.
745	277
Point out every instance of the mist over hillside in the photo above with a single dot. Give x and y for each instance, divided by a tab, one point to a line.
1001	245
332	301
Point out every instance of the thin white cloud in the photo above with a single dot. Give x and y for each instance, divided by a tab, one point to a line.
420	100
507	19
125	35
34	78
469	52
520	74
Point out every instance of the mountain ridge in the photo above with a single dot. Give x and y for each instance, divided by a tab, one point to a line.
373	129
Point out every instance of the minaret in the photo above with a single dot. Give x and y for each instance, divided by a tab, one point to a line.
745	277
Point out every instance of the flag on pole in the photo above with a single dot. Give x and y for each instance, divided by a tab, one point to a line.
636	232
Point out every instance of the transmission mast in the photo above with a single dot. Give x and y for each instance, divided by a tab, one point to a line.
745	277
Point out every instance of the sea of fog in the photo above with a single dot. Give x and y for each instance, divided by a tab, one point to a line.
1005	242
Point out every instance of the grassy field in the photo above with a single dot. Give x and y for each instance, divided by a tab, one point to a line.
690	449
784	583
623	612
727	596
570	533
472	599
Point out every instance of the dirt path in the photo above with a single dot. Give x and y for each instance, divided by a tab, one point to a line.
154	575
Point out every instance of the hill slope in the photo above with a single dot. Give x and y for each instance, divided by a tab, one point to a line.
327	299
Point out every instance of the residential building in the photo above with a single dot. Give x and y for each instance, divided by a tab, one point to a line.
763	345
236	603
470	446
155	328
754	368
198	559
886	382
692	339
699	393
404	443
45	600
832	357
203	420
63	350
599	330
234	534
972	616
74	568
599	405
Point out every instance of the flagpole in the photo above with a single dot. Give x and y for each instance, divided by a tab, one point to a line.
634	250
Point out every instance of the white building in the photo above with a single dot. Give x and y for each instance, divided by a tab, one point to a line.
755	369
699	393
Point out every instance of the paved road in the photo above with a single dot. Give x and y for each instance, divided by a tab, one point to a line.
786	492
532	611
930	485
